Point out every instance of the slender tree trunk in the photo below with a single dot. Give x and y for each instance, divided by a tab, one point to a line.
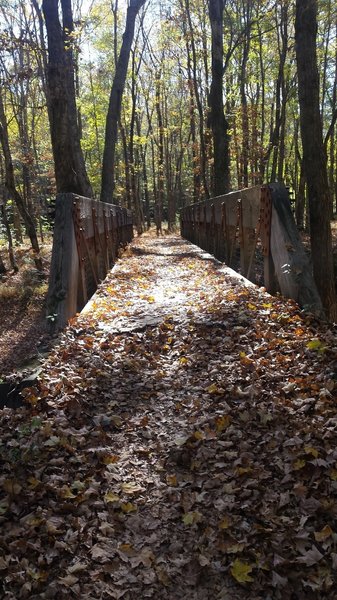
9	238
11	187
160	196
115	103
244	181
314	156
194	149
203	150
217	120
70	171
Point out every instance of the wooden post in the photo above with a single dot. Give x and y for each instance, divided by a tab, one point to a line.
64	269
249	217
292	266
79	257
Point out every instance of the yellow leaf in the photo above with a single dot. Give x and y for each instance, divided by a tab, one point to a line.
131	488
111	497
235	548
333	474
240	571
39	575
311	450
109	460
222	423
171	480
243	470
299	464
128	507
127	549
224	523
214	389
33	482
198	435
66	493
117	421
183	360
190	518
324	534
251	306
317	345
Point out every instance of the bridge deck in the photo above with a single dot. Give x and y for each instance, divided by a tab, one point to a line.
179	443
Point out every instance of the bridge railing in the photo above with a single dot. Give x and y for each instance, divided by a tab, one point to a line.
87	236
234	226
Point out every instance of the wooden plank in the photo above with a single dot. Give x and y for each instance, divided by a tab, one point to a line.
292	265
80	252
249	219
64	269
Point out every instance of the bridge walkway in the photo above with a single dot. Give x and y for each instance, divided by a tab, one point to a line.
180	443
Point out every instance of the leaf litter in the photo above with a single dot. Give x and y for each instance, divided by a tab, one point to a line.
180	443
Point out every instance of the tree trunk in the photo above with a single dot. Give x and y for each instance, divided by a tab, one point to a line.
115	103
217	118
158	209
70	171
9	238
203	149
314	156
11	188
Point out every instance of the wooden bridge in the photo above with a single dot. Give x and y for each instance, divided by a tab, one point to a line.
252	223
236	228
87	236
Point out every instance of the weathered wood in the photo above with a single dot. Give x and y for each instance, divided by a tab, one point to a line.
87	236
249	218
64	268
259	213
292	266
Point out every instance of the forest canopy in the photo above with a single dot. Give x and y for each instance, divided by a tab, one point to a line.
177	100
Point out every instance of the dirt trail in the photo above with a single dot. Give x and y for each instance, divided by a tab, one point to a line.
181	444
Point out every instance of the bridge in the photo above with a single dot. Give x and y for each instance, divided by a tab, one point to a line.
180	441
240	228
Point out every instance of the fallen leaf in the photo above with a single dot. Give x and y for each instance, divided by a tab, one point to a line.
190	518
131	488
111	497
240	571
324	534
68	580
311	557
128	507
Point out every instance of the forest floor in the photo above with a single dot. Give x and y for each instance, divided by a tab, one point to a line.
24	337
181	443
23	325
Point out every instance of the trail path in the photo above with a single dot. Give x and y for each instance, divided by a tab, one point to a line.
182	444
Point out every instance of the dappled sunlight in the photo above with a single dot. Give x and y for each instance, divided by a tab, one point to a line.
181	443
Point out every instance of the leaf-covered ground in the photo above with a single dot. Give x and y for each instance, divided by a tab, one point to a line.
181	444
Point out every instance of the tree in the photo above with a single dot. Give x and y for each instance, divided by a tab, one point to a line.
217	120
115	102
11	187
70	170
314	156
